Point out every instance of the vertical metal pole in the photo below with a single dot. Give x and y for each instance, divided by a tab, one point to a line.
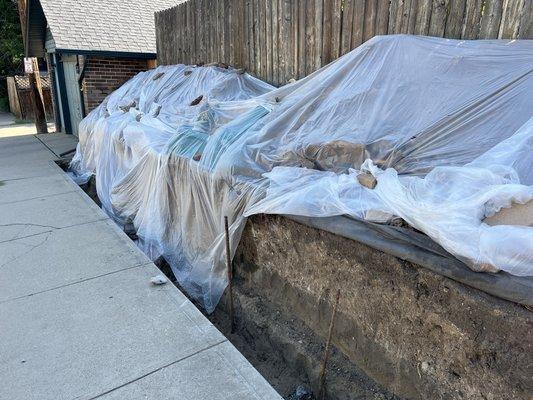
322	377
230	275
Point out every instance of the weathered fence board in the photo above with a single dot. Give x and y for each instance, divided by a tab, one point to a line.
278	40
14	103
21	100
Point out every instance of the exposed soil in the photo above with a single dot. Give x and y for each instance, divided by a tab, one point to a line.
417	333
280	346
287	353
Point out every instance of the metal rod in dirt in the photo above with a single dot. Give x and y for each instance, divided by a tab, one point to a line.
230	275
327	350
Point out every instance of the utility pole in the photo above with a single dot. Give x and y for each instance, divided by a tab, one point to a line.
36	88
34	77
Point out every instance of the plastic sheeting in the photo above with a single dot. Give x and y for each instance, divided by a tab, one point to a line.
444	126
142	116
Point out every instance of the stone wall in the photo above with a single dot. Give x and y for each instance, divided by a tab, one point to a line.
420	335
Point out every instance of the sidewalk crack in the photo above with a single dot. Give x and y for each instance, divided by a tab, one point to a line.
158	369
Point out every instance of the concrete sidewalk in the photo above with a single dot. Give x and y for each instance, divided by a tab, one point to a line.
78	316
10	126
6	119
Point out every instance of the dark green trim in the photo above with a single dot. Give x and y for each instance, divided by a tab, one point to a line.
53	82
82	102
81	77
102	53
65	109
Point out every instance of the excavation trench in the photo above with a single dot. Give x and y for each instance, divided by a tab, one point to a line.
277	341
400	327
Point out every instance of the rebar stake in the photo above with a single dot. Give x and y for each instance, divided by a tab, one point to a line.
322	376
230	275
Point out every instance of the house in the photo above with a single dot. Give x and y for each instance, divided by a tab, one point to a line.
91	48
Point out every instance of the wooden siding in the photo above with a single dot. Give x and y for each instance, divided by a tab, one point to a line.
49	42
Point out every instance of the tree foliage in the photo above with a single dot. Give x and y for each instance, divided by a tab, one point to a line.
11	45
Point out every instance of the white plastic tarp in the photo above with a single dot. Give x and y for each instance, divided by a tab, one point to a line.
445	127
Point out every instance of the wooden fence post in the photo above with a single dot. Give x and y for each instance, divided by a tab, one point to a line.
14	103
36	89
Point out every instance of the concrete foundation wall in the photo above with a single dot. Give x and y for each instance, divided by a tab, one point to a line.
421	335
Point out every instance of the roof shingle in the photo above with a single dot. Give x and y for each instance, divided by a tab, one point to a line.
104	25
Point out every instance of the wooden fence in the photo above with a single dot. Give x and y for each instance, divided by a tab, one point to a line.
277	40
20	97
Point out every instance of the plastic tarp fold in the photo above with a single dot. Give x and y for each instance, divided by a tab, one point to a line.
444	126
